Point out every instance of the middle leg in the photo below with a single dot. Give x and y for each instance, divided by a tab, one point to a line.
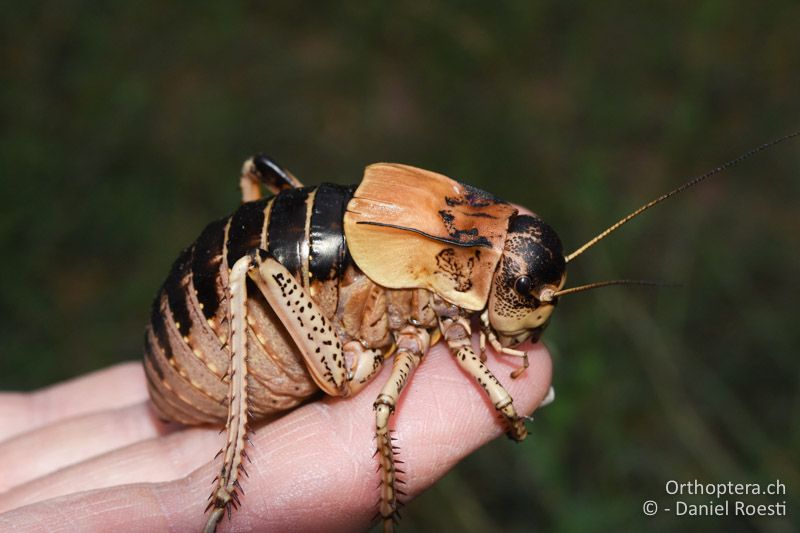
412	344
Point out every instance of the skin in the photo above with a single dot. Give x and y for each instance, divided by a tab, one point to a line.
90	454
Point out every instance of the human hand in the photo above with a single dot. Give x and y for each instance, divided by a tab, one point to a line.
90	454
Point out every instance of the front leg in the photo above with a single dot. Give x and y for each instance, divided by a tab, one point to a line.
458	335
487	333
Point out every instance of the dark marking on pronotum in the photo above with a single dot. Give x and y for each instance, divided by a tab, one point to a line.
479	215
458	234
455	268
481	242
473	197
447	217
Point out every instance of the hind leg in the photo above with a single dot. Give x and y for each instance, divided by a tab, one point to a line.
261	169
338	370
327	362
225	494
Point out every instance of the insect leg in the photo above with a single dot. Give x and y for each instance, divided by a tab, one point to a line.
486	332
363	365
412	344
314	335
225	494
458	334
262	169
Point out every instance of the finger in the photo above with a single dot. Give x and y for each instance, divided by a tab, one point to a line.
314	468
69	441
159	459
76	440
113	387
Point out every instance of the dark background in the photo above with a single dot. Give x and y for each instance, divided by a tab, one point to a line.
124	126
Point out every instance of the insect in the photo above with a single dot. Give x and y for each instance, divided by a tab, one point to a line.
313	288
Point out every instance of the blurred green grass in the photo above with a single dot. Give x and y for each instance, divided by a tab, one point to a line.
124	125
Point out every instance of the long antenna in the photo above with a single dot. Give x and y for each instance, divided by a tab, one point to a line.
673	192
598	284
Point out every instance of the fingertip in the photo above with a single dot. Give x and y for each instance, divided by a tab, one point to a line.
531	388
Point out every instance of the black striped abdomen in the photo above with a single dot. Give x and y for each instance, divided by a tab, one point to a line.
186	354
305	232
328	253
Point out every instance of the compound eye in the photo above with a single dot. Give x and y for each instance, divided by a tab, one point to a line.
523	285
